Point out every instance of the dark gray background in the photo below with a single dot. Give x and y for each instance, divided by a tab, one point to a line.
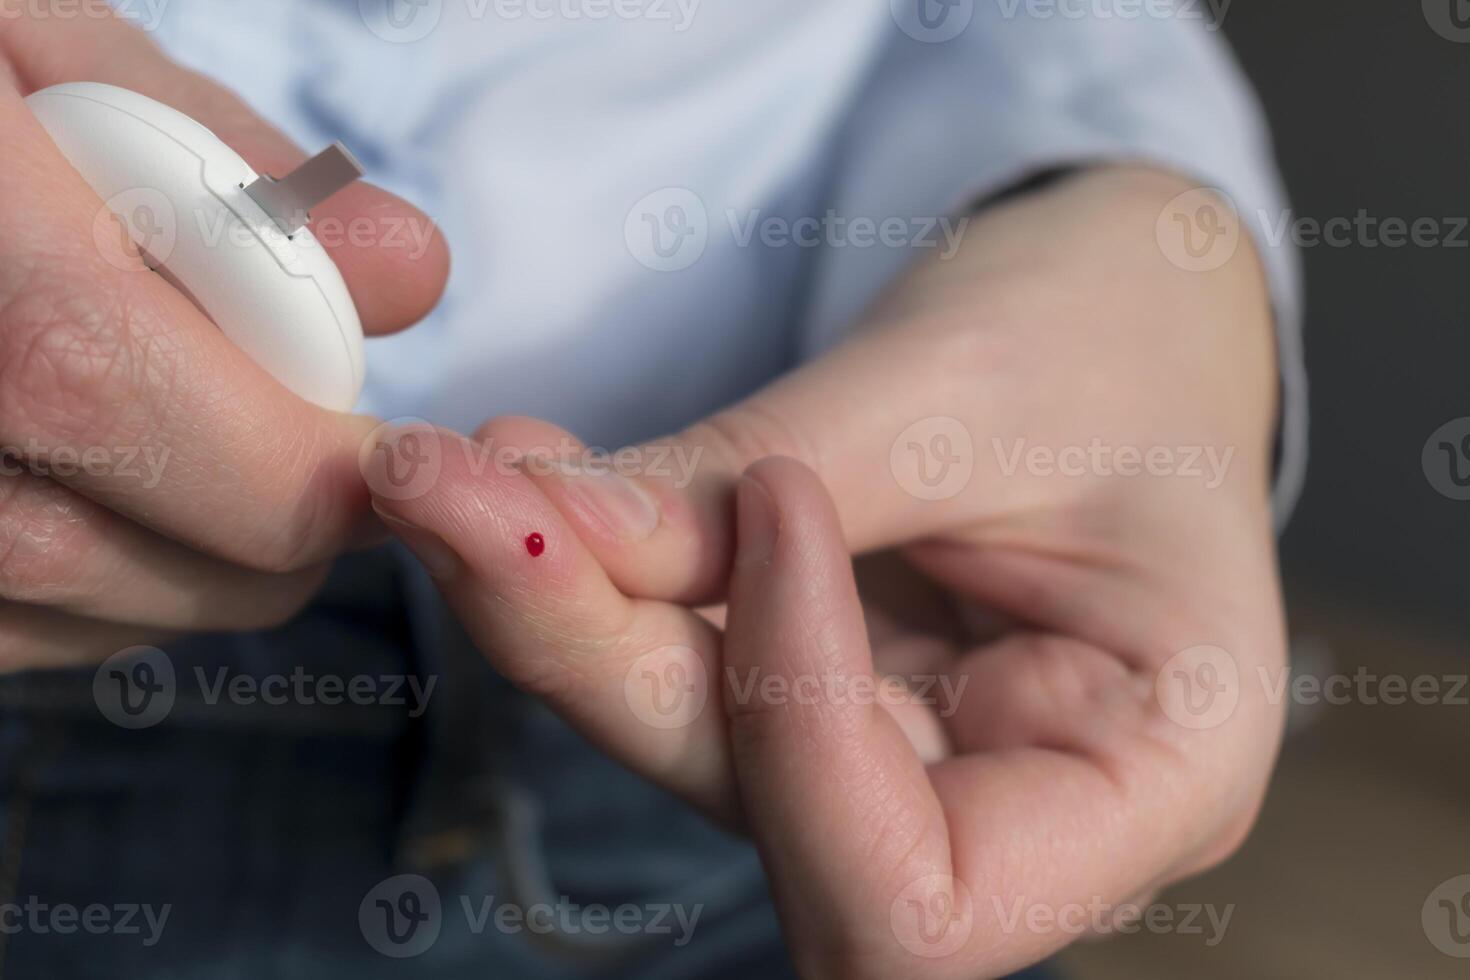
1371	110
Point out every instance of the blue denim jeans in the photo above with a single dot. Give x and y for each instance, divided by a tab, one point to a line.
356	795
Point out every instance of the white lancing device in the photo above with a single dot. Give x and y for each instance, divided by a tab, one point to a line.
235	242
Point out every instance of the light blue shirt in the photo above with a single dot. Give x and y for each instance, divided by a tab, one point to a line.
657	205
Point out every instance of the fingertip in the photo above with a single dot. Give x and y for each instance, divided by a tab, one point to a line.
431	491
797	496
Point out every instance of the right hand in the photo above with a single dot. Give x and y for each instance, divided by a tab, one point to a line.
237	494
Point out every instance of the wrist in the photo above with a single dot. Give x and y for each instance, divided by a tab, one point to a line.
1070	288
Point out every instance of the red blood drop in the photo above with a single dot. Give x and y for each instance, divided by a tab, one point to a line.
535	544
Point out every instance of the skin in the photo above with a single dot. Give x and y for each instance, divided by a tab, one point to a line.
259	490
1058	776
1063	772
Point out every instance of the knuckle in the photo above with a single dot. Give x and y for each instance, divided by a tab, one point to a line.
73	365
291	547
302	510
748	432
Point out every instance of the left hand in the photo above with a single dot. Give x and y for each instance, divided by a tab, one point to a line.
906	836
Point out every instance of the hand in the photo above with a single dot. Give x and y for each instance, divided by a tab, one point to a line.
153	478
1064	770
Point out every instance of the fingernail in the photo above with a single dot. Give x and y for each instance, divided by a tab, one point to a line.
611	499
437	557
756	523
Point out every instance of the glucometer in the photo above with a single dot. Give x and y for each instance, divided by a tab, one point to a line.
234	241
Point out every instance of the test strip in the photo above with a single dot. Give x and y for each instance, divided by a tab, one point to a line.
290	199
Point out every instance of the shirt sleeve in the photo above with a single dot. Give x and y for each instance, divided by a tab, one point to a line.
945	121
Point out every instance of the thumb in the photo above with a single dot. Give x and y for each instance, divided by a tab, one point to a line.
838	801
658	516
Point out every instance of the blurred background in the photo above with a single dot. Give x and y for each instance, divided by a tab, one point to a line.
1351	870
